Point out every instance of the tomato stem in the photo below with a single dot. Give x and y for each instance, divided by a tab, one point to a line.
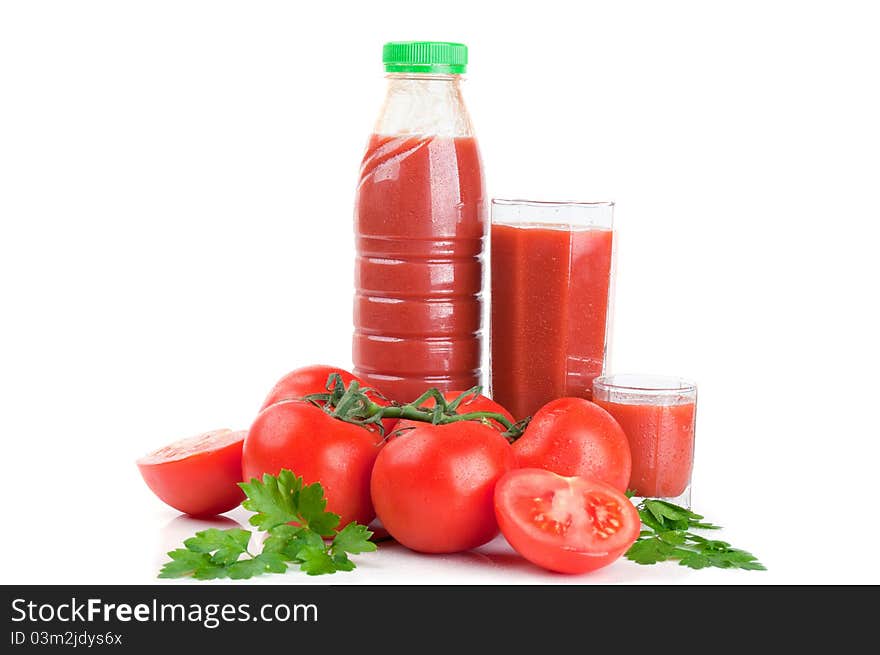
353	405
516	430
414	413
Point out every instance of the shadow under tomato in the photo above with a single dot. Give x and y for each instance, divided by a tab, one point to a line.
388	543
620	571
380	534
512	562
479	556
502	556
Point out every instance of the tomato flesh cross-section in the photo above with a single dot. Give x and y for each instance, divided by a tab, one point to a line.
198	475
603	514
570	525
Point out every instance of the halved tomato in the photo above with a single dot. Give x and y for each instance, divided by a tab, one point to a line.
197	475
570	525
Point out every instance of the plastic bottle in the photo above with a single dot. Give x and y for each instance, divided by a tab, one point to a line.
420	221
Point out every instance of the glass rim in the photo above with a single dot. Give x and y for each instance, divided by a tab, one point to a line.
507	202
642	383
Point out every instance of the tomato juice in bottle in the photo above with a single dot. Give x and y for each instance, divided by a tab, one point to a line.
419	230
551	279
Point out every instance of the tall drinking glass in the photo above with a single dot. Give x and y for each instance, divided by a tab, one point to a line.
551	267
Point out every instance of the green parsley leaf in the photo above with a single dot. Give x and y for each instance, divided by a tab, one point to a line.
311	504
649	551
672	537
353	538
183	562
273	562
695	560
286	499
342	563
650	522
667	515
752	566
279	536
273	499
288	540
294	516
211	572
734	558
316	561
227	545
262	563
668	536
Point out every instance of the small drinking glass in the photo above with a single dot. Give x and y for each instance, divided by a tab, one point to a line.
658	415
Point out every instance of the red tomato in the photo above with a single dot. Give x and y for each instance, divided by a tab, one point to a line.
304	381
572	436
197	475
305	439
478	403
570	525
313	379
432	486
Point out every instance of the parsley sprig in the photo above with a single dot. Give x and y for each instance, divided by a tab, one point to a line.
667	535
277	501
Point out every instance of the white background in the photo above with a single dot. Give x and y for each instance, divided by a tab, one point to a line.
176	188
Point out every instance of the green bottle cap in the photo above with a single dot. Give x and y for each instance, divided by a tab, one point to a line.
425	57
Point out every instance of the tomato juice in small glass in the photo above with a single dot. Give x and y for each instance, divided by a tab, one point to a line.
551	265
658	415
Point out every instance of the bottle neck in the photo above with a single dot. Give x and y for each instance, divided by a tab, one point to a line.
424	104
430	77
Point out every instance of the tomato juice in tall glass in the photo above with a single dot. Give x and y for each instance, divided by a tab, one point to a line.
419	231
551	277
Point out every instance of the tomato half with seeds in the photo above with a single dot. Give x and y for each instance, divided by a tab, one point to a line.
197	475
569	525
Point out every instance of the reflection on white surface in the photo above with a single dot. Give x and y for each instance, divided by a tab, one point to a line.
183	526
494	563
